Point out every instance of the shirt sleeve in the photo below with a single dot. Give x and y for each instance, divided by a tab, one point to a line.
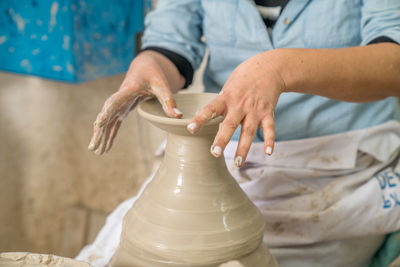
380	18
175	29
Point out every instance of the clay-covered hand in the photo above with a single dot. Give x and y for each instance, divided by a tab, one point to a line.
145	78
248	97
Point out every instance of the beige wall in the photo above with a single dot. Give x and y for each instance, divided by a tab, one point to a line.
46	171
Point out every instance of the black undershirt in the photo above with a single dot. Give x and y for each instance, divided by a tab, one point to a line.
270	10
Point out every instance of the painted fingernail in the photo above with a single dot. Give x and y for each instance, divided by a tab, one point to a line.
191	127
177	111
268	150
216	151
238	161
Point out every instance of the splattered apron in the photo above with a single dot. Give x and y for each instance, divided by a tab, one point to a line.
327	201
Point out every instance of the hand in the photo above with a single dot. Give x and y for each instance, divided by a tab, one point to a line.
146	78
248	97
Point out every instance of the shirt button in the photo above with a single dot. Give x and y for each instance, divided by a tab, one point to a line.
286	21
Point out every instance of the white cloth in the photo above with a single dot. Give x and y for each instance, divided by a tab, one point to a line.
327	201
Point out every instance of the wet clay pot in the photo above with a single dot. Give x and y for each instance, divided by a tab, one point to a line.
193	213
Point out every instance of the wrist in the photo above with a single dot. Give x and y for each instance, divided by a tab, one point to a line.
164	66
283	62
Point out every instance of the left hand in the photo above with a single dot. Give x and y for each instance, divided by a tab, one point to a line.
248	97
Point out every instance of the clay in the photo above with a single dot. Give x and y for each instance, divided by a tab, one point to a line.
193	213
25	259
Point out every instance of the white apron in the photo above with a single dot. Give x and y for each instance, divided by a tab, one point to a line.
327	201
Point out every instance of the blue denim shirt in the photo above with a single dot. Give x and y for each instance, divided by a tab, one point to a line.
234	31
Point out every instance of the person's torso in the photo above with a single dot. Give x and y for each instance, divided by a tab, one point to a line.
234	31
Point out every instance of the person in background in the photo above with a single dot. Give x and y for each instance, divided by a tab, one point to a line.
319	78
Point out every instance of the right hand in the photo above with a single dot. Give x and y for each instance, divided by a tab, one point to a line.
146	78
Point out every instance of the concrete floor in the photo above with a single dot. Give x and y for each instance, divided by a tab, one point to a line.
54	193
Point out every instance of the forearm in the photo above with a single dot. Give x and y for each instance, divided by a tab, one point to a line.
173	76
356	74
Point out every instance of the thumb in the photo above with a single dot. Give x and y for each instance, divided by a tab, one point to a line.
166	98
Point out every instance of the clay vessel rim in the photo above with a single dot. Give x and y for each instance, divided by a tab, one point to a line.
179	98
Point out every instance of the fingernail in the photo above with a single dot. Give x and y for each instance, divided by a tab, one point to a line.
268	150
216	151
213	116
238	161
191	127
91	146
177	111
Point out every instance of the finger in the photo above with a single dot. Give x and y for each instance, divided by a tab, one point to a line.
109	109
167	101
211	110
102	146
99	128
119	104
113	133
249	128
172	108
96	138
225	133
139	99
268	128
